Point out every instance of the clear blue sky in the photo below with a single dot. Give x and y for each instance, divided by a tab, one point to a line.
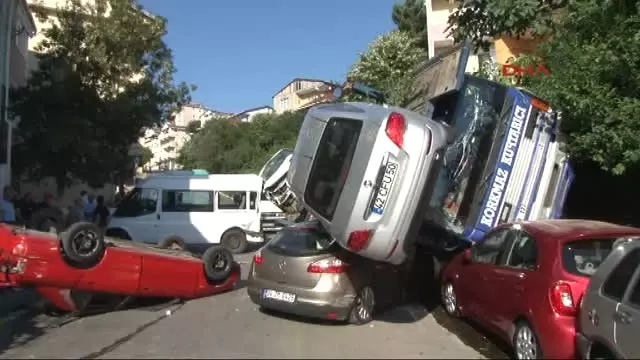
241	52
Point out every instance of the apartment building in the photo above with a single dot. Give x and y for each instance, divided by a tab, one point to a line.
16	27
249	115
165	142
504	47
302	93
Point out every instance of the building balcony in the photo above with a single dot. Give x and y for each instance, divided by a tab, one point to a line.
312	90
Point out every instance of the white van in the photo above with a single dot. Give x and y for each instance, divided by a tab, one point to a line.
192	208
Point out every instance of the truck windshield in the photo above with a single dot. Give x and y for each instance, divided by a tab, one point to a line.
474	121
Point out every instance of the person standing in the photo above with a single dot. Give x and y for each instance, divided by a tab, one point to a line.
76	212
89	207
7	207
101	214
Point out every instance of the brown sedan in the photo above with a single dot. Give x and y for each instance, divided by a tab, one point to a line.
303	272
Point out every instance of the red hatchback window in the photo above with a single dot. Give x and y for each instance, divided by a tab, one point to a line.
583	257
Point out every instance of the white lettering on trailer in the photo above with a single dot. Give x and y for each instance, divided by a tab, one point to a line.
504	167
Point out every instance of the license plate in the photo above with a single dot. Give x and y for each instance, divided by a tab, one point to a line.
278	295
384	189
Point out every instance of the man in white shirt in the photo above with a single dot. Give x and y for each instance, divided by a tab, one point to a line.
7	207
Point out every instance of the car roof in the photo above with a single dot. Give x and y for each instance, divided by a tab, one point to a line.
574	229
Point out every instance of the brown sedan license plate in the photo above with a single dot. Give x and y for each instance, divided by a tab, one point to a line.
279	296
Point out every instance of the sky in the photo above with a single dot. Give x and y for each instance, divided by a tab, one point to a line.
239	53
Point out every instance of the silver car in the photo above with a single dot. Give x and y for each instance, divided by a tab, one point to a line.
360	169
610	309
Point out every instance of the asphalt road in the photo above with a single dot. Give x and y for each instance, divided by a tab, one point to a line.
230	326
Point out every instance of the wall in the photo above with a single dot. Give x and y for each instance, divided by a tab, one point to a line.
508	47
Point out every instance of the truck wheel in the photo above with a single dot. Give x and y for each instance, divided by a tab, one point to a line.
83	244
172	242
235	240
218	263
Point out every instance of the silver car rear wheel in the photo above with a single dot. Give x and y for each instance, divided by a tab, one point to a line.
363	306
449	299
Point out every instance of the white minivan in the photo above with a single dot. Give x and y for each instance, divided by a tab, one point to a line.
186	208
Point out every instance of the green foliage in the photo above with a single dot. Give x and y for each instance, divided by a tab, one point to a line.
146	156
595	79
102	79
388	65
223	147
482	20
410	16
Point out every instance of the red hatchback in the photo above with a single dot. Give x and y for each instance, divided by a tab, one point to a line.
525	281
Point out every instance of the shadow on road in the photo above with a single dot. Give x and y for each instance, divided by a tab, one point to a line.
300	319
19	329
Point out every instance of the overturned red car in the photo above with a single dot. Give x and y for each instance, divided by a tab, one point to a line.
78	266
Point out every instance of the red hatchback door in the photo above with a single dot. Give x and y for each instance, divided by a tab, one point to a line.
475	278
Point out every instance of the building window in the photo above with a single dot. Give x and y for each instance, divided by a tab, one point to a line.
297	85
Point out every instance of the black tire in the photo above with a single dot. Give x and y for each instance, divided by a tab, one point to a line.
235	240
83	244
172	242
363	306
218	263
525	339
47	220
118	234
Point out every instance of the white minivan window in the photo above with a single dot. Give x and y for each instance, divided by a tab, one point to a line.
331	165
232	200
137	202
187	201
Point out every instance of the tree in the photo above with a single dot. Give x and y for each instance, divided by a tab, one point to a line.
222	146
147	155
105	74
482	20
595	79
388	65
411	17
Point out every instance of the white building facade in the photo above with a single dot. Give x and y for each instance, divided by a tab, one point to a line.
165	142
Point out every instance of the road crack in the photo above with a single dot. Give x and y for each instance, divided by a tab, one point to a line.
124	339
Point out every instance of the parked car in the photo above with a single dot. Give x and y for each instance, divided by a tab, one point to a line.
524	281
70	268
610	312
360	169
303	271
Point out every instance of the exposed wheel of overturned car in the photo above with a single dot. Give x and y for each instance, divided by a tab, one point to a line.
83	244
218	263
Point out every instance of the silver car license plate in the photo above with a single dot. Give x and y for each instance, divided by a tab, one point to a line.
384	189
278	295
